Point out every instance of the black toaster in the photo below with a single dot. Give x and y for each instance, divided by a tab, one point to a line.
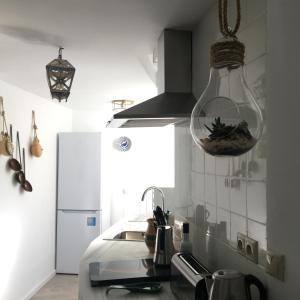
188	278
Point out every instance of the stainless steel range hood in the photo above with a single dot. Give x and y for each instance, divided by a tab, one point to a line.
175	101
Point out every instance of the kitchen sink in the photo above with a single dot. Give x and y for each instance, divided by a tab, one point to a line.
137	236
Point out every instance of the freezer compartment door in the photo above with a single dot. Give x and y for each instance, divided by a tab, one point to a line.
79	170
75	231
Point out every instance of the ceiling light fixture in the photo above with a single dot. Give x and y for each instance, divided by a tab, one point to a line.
119	105
60	74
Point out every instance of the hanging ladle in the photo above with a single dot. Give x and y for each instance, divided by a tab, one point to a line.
26	184
20	176
13	162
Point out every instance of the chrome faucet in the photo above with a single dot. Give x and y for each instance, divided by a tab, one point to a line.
157	189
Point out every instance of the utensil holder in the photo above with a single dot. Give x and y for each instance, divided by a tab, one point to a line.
164	248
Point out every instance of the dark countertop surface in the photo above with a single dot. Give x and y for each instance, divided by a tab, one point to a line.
103	250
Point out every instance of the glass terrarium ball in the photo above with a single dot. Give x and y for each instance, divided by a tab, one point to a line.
226	121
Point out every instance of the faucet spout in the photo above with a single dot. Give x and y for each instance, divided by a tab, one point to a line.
157	189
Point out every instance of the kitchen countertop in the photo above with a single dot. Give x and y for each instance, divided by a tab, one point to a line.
107	250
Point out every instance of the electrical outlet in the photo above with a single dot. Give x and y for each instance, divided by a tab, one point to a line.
251	249
241	238
275	265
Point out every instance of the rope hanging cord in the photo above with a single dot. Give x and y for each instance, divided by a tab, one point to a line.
229	53
34	124
223	19
2	114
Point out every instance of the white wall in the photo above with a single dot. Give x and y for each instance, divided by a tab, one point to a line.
283	204
150	161
27	220
178	198
90	121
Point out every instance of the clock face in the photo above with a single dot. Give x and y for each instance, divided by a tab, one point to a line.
122	143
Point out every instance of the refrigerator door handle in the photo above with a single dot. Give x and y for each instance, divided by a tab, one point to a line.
72	211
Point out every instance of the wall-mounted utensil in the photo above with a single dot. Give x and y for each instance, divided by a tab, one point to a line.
19	175
13	163
35	148
6	146
26	184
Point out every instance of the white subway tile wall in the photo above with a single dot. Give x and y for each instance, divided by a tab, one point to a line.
210	189
223	192
222	166
256	201
238	166
198	189
197	159
238	224
210	164
223	216
238	192
257	231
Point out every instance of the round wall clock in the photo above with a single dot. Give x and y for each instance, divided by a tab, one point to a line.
122	143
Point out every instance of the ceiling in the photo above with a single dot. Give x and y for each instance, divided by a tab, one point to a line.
110	42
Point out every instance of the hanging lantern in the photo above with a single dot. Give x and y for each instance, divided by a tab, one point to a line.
226	120
60	74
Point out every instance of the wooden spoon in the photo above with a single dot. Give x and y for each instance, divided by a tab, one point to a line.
20	176
26	184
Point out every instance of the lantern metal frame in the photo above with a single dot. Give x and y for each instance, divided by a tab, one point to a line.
60	75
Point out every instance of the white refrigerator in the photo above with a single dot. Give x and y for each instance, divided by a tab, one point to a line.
78	197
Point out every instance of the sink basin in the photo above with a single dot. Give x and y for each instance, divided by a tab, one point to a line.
130	235
137	236
137	221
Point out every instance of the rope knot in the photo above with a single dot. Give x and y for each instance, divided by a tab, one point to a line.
227	54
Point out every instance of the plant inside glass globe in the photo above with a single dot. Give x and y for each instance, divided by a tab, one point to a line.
226	120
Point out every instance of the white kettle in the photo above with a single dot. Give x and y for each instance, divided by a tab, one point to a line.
233	285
